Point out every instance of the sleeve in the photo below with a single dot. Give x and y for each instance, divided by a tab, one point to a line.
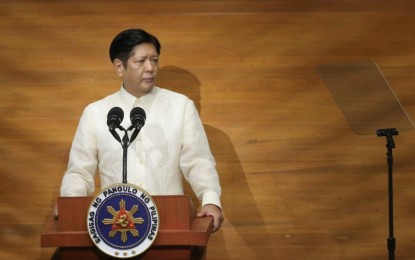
196	160
78	179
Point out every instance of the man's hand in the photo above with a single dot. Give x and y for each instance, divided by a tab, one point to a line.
55	210
215	212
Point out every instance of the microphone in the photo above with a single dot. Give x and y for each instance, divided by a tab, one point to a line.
138	118
114	118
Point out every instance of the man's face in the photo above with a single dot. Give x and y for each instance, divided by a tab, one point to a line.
141	71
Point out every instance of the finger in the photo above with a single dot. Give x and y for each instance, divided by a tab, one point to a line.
217	222
201	214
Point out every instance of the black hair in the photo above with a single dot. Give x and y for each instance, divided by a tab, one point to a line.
125	41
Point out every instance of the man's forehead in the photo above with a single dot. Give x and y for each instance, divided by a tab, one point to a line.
144	49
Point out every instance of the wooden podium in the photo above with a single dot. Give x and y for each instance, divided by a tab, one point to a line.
181	235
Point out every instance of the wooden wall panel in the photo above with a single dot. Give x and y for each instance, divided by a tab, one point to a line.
297	182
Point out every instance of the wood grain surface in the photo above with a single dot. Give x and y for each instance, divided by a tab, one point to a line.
297	182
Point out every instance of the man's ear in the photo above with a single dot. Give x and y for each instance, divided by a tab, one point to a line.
118	66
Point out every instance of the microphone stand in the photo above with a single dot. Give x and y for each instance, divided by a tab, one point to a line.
125	143
114	119
389	133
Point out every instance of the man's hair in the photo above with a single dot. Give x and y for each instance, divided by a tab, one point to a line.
123	44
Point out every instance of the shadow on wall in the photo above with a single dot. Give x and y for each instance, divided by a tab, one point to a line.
236	195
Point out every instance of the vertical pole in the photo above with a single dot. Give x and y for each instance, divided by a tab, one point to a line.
391	240
389	133
125	144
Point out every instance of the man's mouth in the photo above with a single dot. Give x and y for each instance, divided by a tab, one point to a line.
149	80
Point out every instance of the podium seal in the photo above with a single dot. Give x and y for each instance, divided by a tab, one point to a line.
123	220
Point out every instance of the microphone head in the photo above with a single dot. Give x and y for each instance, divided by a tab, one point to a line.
138	117
115	117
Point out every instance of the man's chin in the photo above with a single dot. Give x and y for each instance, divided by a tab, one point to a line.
147	89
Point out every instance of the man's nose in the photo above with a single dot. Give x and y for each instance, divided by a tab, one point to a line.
148	65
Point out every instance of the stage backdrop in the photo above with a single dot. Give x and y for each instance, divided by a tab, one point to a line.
298	183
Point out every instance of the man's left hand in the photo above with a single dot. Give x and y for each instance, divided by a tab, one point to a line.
213	211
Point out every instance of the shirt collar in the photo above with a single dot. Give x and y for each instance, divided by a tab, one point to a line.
144	101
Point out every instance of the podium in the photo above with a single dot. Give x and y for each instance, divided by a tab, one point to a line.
181	235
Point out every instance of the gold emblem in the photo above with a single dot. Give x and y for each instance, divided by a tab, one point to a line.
123	221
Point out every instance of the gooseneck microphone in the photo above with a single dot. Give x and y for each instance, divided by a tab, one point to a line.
114	119
138	118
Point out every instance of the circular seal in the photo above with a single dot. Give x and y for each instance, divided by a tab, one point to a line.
123	220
